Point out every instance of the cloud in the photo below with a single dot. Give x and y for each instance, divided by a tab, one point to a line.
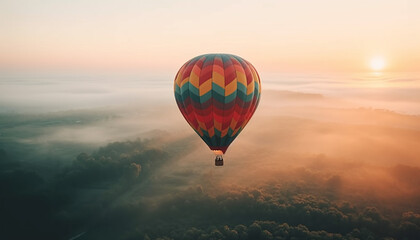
307	170
292	96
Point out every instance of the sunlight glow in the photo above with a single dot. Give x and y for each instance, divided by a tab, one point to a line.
377	64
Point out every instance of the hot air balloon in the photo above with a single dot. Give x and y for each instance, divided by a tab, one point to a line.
217	94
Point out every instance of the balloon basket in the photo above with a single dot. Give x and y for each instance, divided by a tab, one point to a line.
219	160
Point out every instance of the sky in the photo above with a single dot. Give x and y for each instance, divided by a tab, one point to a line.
277	36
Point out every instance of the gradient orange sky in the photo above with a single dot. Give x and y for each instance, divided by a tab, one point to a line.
275	36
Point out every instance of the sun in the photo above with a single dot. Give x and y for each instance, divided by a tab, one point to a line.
377	64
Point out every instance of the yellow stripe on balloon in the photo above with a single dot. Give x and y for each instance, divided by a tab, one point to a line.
250	87
224	132
231	87
233	123
241	77
236	131
179	79
205	87
183	82
218	79
194	79
211	132
202	125
256	78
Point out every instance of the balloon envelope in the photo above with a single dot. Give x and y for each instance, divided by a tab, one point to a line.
217	94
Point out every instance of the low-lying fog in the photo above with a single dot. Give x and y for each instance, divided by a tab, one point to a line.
111	157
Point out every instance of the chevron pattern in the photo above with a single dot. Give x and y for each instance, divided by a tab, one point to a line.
217	94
